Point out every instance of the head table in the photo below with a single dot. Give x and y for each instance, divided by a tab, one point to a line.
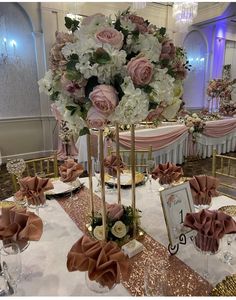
45	260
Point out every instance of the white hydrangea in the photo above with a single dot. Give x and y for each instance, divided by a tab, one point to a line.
148	44
46	83
133	107
163	87
127	24
75	122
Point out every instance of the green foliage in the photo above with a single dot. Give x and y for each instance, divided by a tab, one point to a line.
92	82
73	60
101	57
118	80
84	131
162	31
54	96
73	75
72	109
70	24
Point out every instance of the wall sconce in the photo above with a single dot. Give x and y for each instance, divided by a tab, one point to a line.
9	52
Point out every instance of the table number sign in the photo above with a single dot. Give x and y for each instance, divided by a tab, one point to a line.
176	202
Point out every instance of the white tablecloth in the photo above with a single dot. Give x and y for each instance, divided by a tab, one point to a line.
47	257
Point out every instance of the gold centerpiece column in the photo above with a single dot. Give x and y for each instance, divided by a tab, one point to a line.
90	174
118	164
133	167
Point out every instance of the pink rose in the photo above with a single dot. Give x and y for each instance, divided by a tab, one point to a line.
154	114
89	19
110	36
104	98
115	211
95	118
141	26
168	50
140	70
180	71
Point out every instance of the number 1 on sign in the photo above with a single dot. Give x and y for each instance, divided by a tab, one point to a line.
181	216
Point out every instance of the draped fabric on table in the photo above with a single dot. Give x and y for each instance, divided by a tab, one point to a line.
219	135
63	150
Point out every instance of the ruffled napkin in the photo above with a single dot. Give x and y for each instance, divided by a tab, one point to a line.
33	189
70	170
167	173
211	225
103	260
111	163
203	188
19	225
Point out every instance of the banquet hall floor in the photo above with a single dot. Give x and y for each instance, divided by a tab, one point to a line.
190	168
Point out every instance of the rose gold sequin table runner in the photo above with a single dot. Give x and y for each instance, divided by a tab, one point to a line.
183	281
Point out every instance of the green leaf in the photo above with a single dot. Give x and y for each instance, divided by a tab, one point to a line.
71	107
92	82
73	75
84	131
54	96
147	89
162	31
101	56
68	22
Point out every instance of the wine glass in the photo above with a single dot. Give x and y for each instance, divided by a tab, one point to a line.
97	175
11	265
227	254
156	273
149	169
206	245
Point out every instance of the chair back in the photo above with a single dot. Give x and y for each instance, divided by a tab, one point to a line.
224	167
47	165
141	157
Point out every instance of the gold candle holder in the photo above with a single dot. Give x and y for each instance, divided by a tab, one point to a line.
118	164
102	174
133	167
90	175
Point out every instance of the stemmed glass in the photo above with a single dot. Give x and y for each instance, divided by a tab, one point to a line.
149	169
11	265
97	175
227	254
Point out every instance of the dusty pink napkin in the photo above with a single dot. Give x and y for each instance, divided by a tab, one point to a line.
20	226
111	163
70	170
203	188
33	189
167	173
211	225
104	261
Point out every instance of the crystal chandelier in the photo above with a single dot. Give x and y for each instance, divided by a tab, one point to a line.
139	5
184	13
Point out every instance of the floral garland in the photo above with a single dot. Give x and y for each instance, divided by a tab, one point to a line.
120	221
194	123
65	134
124	70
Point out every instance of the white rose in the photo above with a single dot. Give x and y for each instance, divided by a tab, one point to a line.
119	229
170	111
98	232
194	115
191	129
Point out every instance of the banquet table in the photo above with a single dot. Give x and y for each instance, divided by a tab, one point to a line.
46	259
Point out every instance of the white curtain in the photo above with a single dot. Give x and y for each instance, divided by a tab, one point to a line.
230	55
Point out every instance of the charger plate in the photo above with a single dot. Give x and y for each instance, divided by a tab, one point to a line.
6	203
63	189
227	287
229	210
125	179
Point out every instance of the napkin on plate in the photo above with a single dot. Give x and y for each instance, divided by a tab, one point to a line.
111	162
167	173
20	226
33	189
211	226
70	170
203	188
104	261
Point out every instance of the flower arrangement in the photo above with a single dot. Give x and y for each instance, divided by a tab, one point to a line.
120	221
219	88
194	123
109	71
65	134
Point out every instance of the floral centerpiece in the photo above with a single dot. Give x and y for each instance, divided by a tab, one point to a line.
194	123
120	221
123	70
219	88
65	134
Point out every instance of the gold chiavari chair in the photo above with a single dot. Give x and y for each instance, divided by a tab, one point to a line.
225	167
141	157
46	165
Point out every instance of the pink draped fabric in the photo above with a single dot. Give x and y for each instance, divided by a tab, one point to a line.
192	146
71	150
219	128
157	142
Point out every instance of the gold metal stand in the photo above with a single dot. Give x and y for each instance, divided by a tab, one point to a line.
118	163
90	174
102	173
133	175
